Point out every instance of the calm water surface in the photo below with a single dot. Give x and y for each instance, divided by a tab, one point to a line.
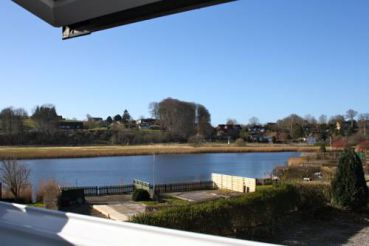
167	168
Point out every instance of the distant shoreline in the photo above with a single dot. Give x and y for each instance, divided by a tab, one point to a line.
21	152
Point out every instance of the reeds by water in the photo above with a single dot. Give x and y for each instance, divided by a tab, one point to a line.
114	150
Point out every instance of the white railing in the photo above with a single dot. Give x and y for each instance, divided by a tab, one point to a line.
22	225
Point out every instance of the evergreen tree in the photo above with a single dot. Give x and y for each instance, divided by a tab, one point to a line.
117	118
349	189
126	116
109	120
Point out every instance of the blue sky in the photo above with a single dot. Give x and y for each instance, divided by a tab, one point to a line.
263	58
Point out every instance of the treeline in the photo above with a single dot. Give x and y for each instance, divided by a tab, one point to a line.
173	120
339	125
352	126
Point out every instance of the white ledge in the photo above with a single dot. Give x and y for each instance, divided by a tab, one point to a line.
22	225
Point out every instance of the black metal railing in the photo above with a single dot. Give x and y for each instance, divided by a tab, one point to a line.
102	190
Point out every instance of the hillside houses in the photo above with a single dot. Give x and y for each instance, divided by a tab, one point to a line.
148	123
70	125
225	131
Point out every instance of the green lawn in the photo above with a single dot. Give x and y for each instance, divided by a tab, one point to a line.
36	205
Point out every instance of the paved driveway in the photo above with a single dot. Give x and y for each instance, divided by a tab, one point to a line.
203	195
120	212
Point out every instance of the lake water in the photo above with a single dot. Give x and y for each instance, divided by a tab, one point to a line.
164	168
167	168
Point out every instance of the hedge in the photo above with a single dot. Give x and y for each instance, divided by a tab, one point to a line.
140	195
249	216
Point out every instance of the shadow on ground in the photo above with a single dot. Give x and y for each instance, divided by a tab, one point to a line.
85	209
333	227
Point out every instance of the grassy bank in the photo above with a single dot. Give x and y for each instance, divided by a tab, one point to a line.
115	150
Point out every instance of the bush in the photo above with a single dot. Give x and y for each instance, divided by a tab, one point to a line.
240	142
71	197
49	194
349	189
295	173
313	198
141	195
196	140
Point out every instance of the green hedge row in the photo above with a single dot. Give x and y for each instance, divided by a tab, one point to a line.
249	216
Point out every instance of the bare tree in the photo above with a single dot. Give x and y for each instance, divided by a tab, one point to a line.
46	118
351	114
291	122
154	110
179	117
323	119
254	121
231	121
12	120
203	120
363	122
337	118
310	119
14	176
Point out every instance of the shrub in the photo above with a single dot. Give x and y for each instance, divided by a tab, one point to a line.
240	142
196	140
26	194
71	197
349	189
313	198
49	193
295	173
141	195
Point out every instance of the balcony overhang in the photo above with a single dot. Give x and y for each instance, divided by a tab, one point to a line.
81	17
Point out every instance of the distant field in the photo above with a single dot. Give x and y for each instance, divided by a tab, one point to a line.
96	151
